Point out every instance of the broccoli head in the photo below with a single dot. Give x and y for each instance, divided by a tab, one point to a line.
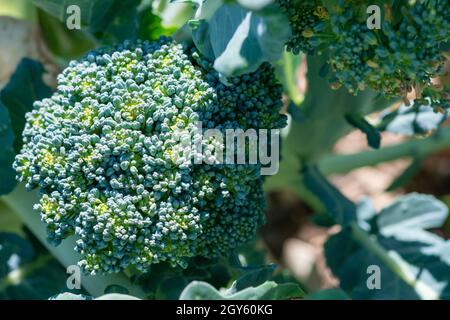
102	150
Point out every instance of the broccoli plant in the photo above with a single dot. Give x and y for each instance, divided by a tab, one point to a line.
96	178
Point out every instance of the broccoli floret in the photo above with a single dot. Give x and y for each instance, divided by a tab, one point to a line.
404	54
102	151
398	57
304	17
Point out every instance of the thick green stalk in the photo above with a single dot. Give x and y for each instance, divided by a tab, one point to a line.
419	147
22	202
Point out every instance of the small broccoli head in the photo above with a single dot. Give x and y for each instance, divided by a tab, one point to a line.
103	148
405	53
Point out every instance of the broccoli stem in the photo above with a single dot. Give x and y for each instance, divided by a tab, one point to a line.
21	202
419	147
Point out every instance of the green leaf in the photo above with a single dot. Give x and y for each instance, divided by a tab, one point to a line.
269	290
7	153
242	40
198	290
255	4
411	120
6	131
65	43
175	14
16	99
372	134
25	273
150	25
117	296
14	253
91	10
284	291
338	208
109	296
200	36
114	288
365	212
170	288
195	3
26	79
253	278
413	263
121	22
251	255
166	282
218	275
69	296
413	211
112	20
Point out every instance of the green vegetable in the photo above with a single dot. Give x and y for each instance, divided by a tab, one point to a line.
104	152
